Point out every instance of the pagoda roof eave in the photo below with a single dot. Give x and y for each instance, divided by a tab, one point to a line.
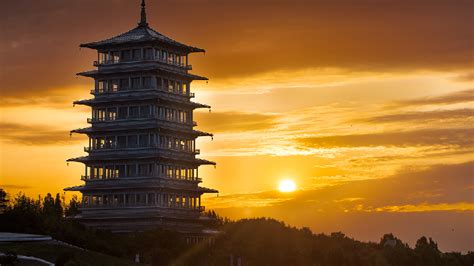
95	73
93	101
90	188
74	188
141	34
89	130
85	159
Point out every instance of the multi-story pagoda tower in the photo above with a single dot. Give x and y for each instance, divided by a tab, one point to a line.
141	171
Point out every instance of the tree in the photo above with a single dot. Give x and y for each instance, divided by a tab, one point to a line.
58	206
428	250
3	200
73	208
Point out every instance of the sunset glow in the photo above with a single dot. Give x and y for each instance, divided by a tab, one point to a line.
287	185
369	116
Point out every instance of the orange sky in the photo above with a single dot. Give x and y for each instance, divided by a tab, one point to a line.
368	107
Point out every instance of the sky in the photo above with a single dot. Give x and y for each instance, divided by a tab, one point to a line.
366	105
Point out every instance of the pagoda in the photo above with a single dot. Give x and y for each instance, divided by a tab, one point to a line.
141	171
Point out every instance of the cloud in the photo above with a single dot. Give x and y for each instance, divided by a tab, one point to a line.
35	135
242	37
452	98
435	188
466	77
220	122
459	206
16	187
465	113
424	137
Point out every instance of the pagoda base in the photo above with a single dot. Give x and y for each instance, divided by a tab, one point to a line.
143	219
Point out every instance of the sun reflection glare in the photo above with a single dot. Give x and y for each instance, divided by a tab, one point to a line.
287	185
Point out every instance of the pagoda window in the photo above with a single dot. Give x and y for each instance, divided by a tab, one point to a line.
136	83
118	200
114	85
130	199
148	53
159	82
103	57
185	88
121	141
112	113
116	172
147	82
144	169
102	85
179	87
99	143
137	54
144	140
164	56
179	202
115	56
109	172
133	112
120	170
100	114
170	171
133	141
124	84
157	54
171	58
122	112
151	199
109	142
131	170
86	201
126	55
145	111
100	173
141	199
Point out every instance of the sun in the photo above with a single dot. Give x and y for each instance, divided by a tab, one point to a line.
287	185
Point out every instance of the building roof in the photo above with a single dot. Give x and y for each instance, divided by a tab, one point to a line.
142	33
139	68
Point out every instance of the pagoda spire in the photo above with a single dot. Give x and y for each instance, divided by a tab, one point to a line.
143	22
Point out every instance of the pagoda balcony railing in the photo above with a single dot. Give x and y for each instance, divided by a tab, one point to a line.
202	208
141	60
170	123
128	90
128	149
168	209
153	176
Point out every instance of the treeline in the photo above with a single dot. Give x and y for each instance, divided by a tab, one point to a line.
269	242
249	241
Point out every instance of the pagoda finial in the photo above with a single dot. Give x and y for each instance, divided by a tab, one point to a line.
143	22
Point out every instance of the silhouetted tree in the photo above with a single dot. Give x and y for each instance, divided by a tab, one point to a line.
3	200
73	208
58	206
428	250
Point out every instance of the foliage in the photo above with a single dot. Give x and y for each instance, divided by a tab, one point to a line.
3	200
252	241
